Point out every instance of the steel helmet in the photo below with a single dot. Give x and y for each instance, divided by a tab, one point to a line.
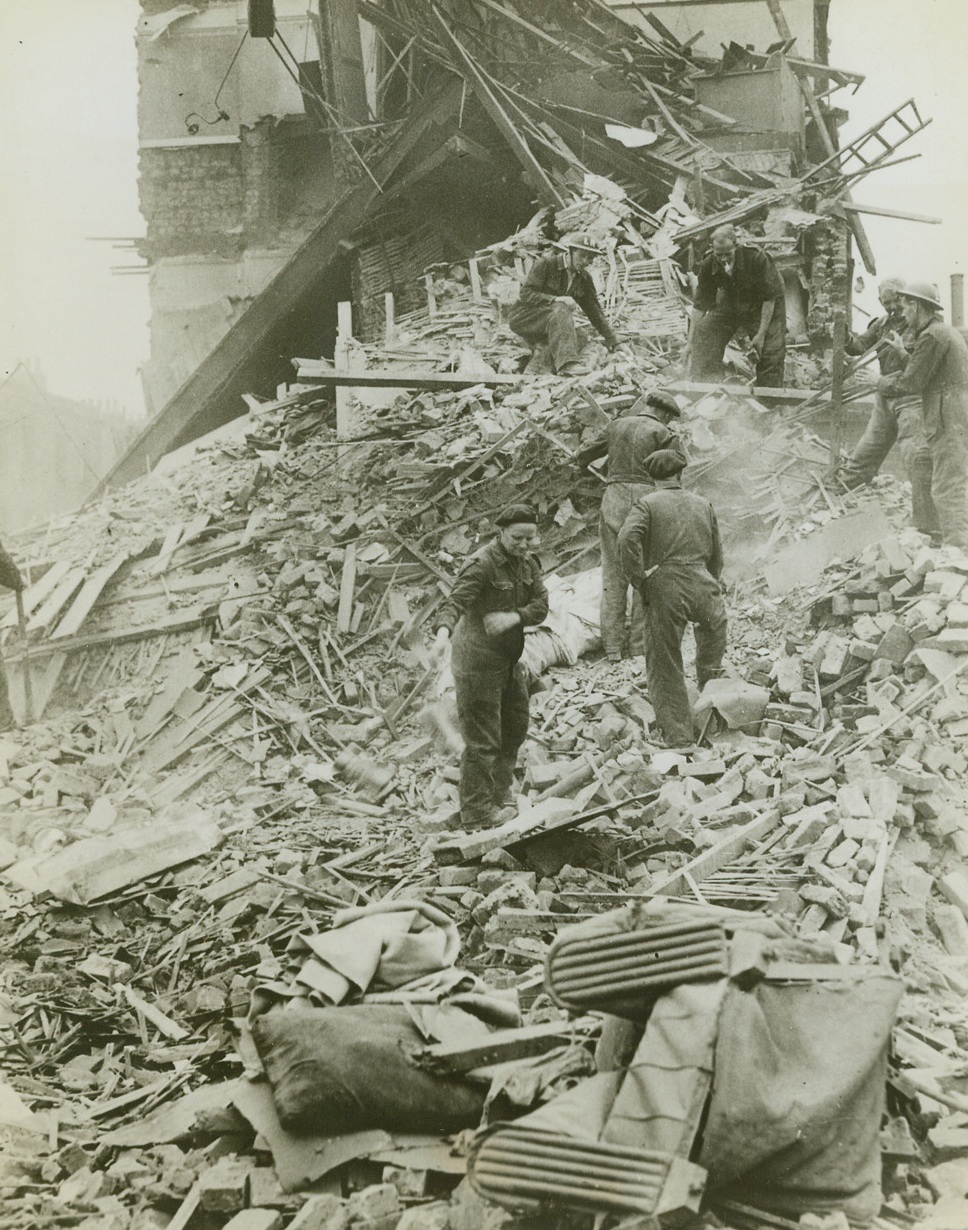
584	241
924	292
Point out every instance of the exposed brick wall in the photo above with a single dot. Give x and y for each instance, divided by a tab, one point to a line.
828	245
192	200
222	199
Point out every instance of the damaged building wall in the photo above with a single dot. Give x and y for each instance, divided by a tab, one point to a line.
233	174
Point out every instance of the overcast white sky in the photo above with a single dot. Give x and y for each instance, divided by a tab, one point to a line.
68	95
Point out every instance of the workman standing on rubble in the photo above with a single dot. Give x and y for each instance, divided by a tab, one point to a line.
10	578
893	419
937	371
629	441
739	289
543	318
498	593
671	549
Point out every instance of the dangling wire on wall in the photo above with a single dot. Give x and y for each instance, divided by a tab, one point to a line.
221	115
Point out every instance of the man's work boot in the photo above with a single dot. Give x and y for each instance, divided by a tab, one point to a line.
489	820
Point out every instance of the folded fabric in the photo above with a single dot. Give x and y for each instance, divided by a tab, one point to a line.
380	947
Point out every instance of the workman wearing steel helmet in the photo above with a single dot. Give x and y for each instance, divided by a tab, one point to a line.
543	318
937	370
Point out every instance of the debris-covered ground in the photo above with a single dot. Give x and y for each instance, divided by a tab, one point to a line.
235	799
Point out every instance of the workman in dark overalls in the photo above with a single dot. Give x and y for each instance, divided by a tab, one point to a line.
738	289
498	593
937	371
10	578
629	441
893	419
671	549
543	318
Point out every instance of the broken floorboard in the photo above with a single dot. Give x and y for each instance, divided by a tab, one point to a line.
311	371
545	817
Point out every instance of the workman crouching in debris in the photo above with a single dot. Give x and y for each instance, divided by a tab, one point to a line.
937	370
739	288
543	318
671	549
10	578
498	593
629	441
893	420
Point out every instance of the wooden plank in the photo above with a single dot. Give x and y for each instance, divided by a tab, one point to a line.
90	591
677	884
881	212
34	595
183	673
310	372
542	819
534	173
347	587
168	545
506	1044
55	602
97	866
164	1024
193	618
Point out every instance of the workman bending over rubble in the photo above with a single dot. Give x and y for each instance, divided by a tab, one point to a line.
739	288
893	419
10	578
938	370
543	318
672	551
498	593
629	441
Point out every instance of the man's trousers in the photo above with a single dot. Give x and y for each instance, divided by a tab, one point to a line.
677	594
552	326
617	503
717	327
492	710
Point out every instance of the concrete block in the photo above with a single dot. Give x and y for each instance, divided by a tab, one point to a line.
225	1187
953	927
954	886
255	1219
434	1216
265	1190
378	1201
951	640
321	1213
842	853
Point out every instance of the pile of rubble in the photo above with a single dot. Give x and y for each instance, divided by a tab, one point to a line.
242	760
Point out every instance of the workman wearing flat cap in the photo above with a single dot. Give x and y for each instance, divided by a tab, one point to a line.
938	372
671	549
498	593
542	317
629	441
10	578
739	288
893	419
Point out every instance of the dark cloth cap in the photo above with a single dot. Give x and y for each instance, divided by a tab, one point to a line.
515	514
664	401
665	463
